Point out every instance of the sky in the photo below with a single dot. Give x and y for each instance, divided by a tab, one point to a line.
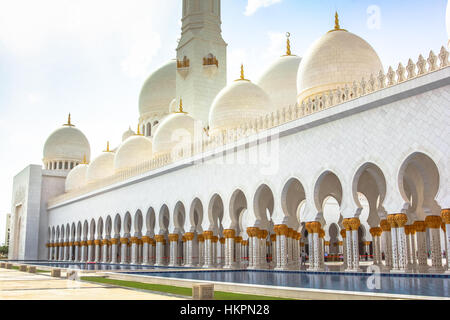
91	58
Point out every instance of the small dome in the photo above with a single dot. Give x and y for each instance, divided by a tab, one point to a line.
127	134
77	177
158	91
279	81
176	129
134	151
67	143
337	59
238	103
101	167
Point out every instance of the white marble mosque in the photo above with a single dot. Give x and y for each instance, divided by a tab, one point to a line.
333	154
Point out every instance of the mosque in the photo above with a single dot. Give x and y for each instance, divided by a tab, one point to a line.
332	154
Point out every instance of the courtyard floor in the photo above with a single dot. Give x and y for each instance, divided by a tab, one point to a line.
16	285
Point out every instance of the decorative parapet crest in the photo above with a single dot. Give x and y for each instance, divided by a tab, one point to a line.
279	117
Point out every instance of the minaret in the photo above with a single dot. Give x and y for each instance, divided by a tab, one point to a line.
202	57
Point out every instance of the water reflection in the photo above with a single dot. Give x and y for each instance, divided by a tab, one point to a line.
389	284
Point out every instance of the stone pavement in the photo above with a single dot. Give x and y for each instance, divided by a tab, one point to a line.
16	285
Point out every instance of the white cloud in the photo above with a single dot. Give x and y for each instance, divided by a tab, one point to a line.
144	48
254	5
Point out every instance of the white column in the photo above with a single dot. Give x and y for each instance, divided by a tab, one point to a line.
229	248
114	244
311	250
105	247
238	253
349	248
445	214
273	239
91	252
413	248
145	250
84	251
97	250
123	250
395	265
201	250
433	224
316	251
134	250
402	251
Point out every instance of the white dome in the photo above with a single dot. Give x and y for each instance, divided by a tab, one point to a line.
127	134
134	151
279	81
240	102
67	143
101	167
447	19
177	129
336	59
77	177
158	91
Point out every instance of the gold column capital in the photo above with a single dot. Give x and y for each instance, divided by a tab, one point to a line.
355	223
445	215
159	238
433	222
173	237
385	225
315	226
229	233
420	226
343	233
189	236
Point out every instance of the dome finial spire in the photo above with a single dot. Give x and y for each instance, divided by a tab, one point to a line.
84	160
180	110
69	122
107	147
336	22
138	133
337	25
288	48
242	74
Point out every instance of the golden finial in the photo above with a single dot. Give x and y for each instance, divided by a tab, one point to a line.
69	123
288	50
107	147
84	160
180	110
242	74
337	26
138	133
336	22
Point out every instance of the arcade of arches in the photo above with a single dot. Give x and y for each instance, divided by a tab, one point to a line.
407	241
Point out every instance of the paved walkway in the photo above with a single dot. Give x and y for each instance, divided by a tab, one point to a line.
16	285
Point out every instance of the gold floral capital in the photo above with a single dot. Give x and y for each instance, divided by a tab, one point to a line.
433	222
445	215
420	226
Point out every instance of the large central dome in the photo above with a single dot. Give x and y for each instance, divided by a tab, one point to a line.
336	59
158	91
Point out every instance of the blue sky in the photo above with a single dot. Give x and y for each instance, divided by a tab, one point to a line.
91	58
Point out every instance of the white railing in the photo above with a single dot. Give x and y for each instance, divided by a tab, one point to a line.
276	118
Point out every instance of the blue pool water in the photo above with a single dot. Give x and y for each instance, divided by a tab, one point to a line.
435	286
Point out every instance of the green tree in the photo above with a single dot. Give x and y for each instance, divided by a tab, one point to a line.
4	250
